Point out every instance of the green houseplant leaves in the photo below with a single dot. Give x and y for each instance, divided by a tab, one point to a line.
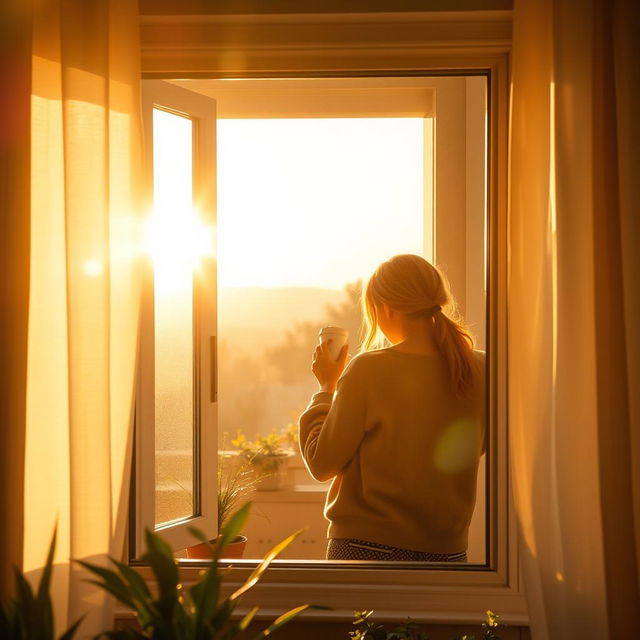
29	616
175	613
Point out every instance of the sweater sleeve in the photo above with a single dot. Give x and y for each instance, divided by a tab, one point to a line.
331	428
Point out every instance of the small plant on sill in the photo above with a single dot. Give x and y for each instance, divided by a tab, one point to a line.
195	613
266	452
290	435
237	480
366	629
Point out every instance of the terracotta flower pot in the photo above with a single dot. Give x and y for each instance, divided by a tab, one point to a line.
235	549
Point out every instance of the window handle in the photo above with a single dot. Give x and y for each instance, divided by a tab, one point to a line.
213	353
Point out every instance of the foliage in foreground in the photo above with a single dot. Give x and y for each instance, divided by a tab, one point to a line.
29	616
366	629
196	613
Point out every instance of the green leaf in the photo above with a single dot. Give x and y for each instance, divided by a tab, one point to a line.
222	616
139	591
8	623
199	535
24	605
205	593
361	616
182	622
163	565
240	626
492	619
262	567
246	621
160	557
45	580
232	529
135	581
70	632
111	582
205	598
24	593
282	620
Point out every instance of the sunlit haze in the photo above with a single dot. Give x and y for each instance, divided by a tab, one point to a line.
316	202
176	237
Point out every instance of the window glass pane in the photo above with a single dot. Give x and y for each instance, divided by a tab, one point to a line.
173	317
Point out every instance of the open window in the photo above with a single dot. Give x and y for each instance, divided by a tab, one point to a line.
396	151
175	469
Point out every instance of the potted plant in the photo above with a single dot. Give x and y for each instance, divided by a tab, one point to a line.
237	480
195	613
269	455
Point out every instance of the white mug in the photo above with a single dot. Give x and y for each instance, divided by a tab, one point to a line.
338	337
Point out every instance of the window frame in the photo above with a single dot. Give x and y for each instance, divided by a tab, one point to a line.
363	45
448	98
200	110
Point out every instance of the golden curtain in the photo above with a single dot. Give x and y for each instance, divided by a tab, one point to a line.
573	306
84	291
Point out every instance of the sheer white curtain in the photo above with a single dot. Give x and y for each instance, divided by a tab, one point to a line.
84	290
574	314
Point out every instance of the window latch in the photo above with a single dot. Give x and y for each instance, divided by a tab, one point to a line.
213	352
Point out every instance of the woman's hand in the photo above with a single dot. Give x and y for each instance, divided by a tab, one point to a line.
325	368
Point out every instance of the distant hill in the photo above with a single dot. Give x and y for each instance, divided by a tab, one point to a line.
273	309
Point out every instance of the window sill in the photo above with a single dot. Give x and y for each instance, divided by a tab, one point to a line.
298	493
425	595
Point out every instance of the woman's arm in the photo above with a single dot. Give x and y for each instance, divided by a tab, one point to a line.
331	428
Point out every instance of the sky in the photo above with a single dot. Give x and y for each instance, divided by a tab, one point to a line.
316	202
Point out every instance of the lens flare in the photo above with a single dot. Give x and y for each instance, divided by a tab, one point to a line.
93	268
456	449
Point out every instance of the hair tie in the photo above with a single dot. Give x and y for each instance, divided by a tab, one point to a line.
426	313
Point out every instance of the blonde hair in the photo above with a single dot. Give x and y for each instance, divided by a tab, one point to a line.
411	285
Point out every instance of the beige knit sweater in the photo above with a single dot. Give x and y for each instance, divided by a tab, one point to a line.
402	450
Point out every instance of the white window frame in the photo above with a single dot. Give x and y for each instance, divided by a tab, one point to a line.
456	189
201	111
360	45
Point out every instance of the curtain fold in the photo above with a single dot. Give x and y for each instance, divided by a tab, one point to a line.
573	421
15	73
84	291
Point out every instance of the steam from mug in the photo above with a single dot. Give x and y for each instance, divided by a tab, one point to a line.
338	337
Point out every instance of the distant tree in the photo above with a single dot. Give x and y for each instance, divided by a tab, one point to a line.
266	387
290	360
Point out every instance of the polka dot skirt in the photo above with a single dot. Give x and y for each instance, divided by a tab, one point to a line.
351	549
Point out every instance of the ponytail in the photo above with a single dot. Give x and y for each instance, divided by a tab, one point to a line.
456	346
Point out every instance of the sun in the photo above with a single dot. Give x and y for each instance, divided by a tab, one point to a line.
178	244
